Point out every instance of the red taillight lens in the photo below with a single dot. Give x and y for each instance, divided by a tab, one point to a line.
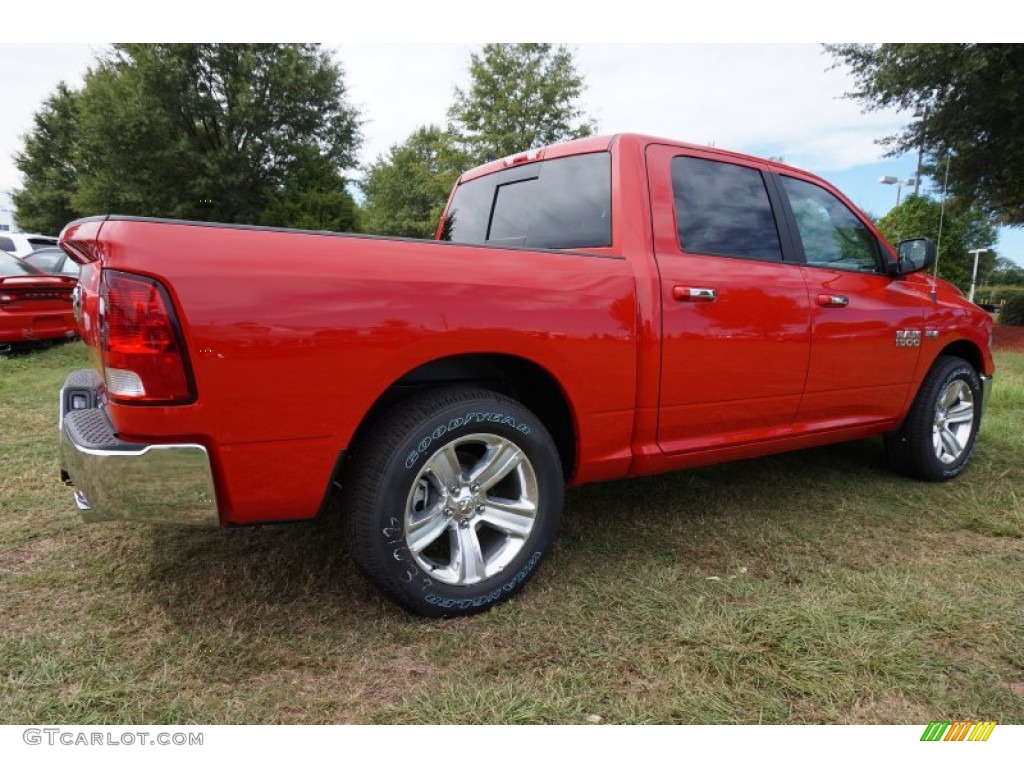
143	354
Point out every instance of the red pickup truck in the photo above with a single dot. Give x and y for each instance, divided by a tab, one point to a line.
604	308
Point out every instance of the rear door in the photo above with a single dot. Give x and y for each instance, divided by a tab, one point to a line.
735	312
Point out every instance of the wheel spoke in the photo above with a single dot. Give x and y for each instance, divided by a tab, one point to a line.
426	531
514	518
444	465
467	557
499	460
952	393
950	443
961	414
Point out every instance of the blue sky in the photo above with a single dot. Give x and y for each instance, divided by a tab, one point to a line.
763	99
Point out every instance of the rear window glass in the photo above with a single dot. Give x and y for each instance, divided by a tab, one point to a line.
45	260
11	266
563	203
6	244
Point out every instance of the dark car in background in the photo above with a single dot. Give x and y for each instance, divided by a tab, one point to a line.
34	306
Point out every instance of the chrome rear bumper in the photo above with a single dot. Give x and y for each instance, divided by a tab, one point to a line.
117	480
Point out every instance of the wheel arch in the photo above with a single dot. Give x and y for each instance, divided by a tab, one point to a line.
965	350
521	379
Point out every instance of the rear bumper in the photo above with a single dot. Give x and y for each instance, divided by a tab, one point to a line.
117	480
22	327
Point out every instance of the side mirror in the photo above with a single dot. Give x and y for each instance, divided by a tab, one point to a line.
914	256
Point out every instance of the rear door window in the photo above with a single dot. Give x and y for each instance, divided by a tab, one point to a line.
723	209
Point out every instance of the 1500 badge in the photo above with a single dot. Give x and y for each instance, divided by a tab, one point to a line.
908	338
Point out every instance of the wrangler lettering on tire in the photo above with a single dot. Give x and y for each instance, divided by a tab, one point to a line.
454	498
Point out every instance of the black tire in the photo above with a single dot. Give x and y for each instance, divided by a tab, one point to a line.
430	537
925	446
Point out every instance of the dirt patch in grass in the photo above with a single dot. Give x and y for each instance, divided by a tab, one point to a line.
20	559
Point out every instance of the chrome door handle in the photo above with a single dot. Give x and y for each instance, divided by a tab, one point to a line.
832	300
684	293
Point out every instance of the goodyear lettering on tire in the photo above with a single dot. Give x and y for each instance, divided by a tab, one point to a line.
473	417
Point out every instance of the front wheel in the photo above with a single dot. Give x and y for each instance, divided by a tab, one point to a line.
937	438
453	498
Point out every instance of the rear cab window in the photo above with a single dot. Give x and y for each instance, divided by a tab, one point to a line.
554	204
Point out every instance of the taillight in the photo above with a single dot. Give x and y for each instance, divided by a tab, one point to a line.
143	355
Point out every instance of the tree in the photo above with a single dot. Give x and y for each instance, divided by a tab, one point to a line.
521	96
1006	272
972	110
243	133
963	229
407	190
47	161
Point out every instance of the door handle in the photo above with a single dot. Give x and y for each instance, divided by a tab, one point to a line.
832	300
685	293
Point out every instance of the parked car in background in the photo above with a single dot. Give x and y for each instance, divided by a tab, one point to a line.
22	244
53	261
34	306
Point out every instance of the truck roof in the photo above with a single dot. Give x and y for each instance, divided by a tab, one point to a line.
605	142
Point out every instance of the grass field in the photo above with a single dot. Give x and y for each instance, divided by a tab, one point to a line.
811	587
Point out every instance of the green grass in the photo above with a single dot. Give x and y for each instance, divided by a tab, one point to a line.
810	587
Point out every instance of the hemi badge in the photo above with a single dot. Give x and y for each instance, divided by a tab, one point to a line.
931	333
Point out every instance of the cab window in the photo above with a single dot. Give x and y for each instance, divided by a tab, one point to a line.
831	234
723	210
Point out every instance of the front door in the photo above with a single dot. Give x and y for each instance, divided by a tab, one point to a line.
866	326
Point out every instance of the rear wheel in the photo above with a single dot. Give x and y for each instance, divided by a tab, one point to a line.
938	436
453	498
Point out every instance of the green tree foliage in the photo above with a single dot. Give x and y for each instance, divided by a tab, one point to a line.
521	96
1013	310
406	190
963	228
47	162
974	96
243	133
1006	272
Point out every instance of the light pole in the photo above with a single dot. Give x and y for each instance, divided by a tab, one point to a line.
974	275
899	185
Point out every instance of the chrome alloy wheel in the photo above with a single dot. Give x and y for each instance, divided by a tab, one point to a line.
954	421
471	509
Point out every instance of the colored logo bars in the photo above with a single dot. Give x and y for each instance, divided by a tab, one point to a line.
959	730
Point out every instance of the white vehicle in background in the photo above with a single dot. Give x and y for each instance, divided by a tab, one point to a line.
22	243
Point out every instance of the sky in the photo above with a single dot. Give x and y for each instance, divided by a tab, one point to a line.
763	99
